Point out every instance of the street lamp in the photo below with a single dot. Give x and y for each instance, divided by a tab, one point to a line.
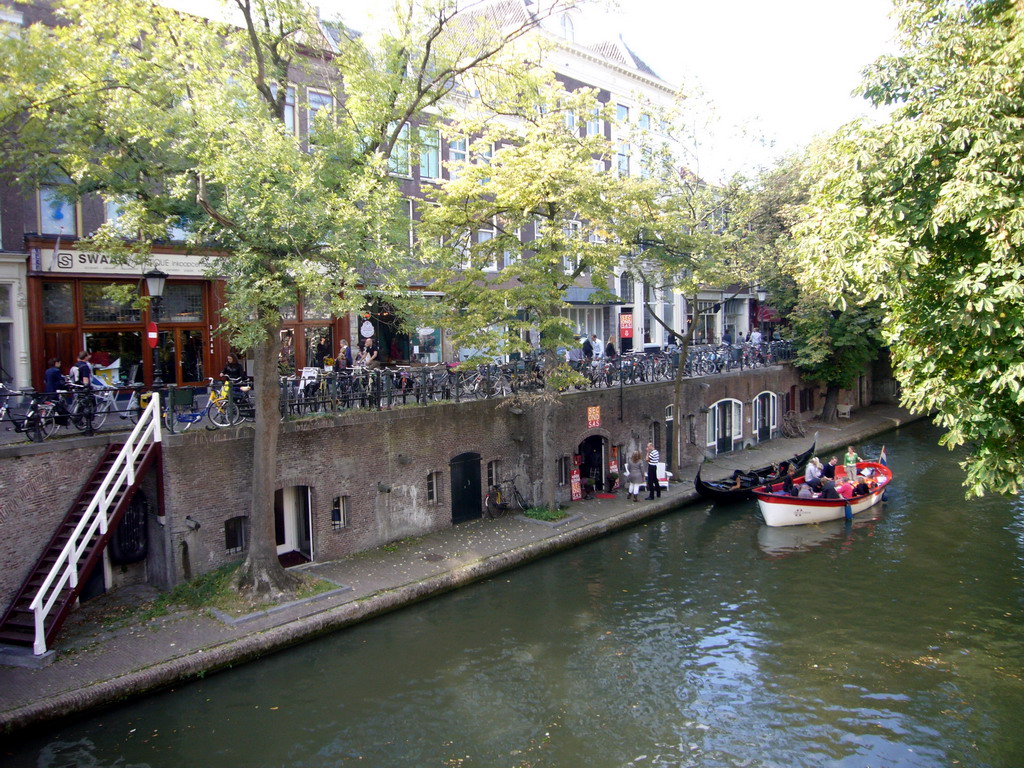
761	294
155	280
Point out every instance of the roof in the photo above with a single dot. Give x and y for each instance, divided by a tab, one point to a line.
620	53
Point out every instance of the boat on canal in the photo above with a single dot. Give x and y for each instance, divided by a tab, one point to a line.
726	490
779	508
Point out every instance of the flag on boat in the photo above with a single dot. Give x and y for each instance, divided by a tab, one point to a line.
881	458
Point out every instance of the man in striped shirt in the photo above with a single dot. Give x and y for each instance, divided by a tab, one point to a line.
653	457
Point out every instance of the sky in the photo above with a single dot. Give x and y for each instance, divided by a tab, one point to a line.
777	71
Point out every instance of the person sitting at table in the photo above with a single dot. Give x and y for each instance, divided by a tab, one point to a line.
829	490
845	488
861	488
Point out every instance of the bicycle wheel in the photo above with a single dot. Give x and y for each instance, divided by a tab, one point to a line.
518	501
47	420
102	410
81	412
224	413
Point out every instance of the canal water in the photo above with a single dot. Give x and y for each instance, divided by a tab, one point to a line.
701	639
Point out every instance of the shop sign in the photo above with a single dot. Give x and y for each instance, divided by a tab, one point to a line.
626	325
84	262
593	417
575	484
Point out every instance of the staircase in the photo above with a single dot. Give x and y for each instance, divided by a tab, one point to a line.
53	585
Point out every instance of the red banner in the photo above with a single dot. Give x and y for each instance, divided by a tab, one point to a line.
575	484
626	325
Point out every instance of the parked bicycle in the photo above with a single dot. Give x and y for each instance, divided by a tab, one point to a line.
504	497
39	421
219	408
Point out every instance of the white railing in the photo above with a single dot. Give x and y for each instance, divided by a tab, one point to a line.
65	571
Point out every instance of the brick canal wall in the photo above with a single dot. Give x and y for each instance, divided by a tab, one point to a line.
378	463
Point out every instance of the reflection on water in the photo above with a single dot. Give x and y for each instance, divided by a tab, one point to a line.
699	639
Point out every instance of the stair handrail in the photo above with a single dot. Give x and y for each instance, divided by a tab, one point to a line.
65	570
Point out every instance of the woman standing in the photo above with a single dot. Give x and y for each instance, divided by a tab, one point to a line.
634	475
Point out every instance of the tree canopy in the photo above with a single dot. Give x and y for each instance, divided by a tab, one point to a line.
924	214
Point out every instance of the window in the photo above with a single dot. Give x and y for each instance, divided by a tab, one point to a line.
570	260
645	122
6	333
404	224
113	212
493	473
97	307
570	119
339	513
430	153
289	107
178	229
621	113
58	304
568	31
563	470
400	160
594	127
434	488
488	231
234	534
622	159
457	153
626	287
56	215
513	255
317	102
182	304
484	154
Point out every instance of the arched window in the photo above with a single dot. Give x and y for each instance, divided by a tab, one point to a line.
568	30
725	426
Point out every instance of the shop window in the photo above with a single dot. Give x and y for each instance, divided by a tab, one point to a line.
97	307
339	513
319	344
434	488
117	356
234	535
182	304
58	304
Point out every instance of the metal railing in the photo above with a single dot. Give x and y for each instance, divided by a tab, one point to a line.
95	519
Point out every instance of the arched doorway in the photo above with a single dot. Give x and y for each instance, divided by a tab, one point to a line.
725	425
765	415
467	500
593	453
293	525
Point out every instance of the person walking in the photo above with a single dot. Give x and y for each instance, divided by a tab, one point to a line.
53	378
653	457
635	475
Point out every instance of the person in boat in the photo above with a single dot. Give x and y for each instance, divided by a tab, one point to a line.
812	474
850	462
829	470
788	486
845	488
828	490
805	492
861	488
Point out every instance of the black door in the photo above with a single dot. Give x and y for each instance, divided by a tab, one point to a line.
764	417
467	501
724	426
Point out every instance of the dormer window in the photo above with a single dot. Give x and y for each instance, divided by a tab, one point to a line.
568	32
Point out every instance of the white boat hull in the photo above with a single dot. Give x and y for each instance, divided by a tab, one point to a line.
779	510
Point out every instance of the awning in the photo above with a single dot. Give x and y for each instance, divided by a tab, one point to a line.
766	314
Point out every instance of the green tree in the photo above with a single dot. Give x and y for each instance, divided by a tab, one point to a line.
925	214
173	115
832	344
523	223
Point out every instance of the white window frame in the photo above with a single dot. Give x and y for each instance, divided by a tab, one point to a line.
400	162
430	153
311	111
48	197
458	153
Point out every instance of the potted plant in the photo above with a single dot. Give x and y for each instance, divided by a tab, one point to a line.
613	478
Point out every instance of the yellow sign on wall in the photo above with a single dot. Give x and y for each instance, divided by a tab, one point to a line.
593	416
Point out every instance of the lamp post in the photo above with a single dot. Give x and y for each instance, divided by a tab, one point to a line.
155	280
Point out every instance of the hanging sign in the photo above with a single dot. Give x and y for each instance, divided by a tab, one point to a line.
152	335
626	325
366	329
575	484
593	416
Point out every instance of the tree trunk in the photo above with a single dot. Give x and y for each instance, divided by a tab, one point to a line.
548	472
829	412
261	576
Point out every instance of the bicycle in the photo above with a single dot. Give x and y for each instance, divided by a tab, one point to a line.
39	421
222	411
503	497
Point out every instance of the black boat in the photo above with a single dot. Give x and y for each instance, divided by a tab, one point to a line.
727	491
